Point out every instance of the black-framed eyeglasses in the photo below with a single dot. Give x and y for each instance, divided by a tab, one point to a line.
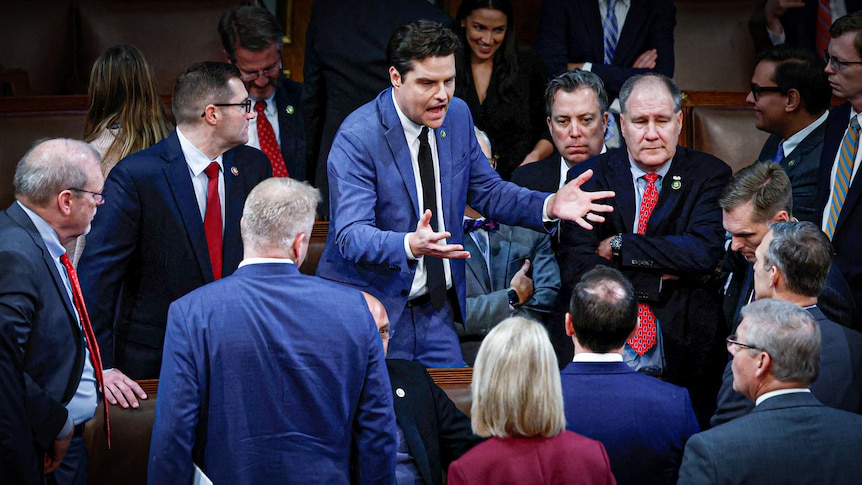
835	63
252	75
756	90
731	341
245	104
97	196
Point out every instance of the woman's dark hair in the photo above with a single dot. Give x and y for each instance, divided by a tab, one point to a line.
506	57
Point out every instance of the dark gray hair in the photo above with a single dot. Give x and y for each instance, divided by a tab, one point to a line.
764	184
419	40
573	80
250	27
803	253
790	336
650	78
604	309
52	165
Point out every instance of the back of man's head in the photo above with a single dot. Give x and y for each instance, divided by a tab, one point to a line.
765	185
789	334
571	81
201	84
419	40
51	166
603	309
850	23
802	70
275	212
803	253
651	79
249	27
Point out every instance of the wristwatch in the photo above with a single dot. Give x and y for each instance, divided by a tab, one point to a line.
514	300
617	244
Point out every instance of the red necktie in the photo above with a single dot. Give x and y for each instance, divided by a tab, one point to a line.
90	336
645	336
824	20
212	220
268	143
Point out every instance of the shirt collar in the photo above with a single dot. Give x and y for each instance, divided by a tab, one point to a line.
780	392
794	140
638	173
250	261
49	235
196	159
270	105
591	357
411	129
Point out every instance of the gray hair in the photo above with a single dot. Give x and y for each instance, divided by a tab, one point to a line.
789	334
654	79
803	253
516	383
52	165
573	80
275	211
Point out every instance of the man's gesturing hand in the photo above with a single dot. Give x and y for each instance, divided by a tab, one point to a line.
425	242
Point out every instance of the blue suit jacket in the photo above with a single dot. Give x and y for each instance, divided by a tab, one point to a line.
801	166
487	297
374	203
47	350
642	421
148	247
839	384
848	233
571	31
684	238
246	352
791	438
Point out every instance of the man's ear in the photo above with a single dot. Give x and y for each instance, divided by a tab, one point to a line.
64	202
394	77
794	101
300	248
570	327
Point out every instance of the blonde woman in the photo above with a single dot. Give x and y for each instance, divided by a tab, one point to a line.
518	403
126	114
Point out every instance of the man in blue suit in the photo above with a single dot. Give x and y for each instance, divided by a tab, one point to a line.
642	421
243	363
789	437
397	194
150	244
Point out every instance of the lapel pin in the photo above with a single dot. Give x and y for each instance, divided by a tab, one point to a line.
399	392
676	184
234	171
289	109
791	163
442	133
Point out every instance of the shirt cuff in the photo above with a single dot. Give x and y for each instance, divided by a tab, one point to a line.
776	38
407	250
545	216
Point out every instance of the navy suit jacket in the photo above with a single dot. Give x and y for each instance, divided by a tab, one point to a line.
291	128
437	433
642	421
684	238
374	203
571	31
801	166
543	175
148	247
791	438
288	370
848	233
48	341
839	384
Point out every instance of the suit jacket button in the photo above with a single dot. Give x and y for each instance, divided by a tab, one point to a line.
404	292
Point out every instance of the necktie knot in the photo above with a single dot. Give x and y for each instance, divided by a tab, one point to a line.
212	171
423	135
260	107
471	225
651	178
854	124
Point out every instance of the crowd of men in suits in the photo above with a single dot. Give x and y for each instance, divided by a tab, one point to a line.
191	275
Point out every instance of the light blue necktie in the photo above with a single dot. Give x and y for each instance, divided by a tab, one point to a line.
779	155
611	30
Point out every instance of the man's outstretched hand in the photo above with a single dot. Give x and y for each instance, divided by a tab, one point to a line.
570	203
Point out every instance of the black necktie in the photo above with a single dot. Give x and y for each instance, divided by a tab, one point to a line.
433	266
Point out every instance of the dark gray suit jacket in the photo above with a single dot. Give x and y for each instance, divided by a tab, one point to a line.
801	166
839	384
791	438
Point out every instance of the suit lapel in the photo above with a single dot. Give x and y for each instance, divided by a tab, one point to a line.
499	248
178	179
620	181
444	157
405	418
234	200
630	32
670	194
396	140
477	265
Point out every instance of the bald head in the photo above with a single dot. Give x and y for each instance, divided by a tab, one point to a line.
53	165
378	312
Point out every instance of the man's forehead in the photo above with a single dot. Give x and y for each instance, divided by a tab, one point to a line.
432	64
583	99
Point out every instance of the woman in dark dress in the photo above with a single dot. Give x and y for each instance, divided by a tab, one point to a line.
503	85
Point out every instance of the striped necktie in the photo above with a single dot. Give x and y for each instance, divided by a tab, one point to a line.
841	182
611	30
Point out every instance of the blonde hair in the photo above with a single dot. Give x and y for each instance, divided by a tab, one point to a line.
516	383
123	92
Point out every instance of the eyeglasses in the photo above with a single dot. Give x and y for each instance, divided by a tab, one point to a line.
245	104
756	90
97	196
252	75
731	341
835	63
